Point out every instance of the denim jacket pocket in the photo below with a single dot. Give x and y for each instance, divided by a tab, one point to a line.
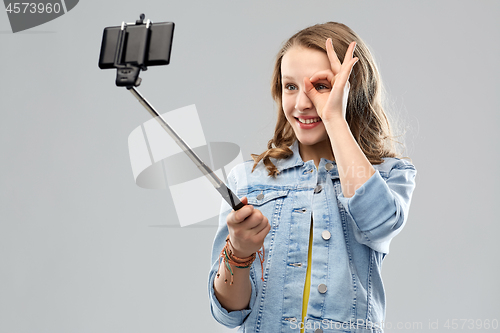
269	201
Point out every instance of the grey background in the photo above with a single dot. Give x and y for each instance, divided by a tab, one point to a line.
83	249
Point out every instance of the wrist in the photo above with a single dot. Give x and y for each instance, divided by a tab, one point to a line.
231	259
336	125
238	253
335	120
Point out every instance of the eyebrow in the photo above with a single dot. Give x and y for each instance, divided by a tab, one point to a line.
291	78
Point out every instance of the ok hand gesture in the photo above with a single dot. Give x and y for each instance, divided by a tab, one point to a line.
332	106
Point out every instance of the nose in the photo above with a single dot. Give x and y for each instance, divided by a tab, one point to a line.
303	103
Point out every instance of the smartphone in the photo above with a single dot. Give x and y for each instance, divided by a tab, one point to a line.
158	45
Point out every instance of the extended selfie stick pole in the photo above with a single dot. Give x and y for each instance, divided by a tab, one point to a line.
128	76
226	193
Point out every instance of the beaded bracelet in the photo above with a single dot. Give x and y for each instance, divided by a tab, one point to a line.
229	259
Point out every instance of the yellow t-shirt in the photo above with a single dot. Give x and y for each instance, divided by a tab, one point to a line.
307	285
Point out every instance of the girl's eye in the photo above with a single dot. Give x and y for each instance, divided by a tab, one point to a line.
321	87
290	87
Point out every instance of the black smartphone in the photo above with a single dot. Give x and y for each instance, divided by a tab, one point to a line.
158	45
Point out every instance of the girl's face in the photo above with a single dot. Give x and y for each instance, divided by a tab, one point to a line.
297	63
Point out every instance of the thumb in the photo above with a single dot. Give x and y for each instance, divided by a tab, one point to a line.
312	93
309	89
244	200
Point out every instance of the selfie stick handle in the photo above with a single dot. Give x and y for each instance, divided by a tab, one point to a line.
226	193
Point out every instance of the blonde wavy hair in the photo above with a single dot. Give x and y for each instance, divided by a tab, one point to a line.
365	115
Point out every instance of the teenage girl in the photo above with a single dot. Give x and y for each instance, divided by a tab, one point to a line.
322	202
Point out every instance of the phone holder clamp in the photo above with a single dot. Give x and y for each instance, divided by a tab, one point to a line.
127	73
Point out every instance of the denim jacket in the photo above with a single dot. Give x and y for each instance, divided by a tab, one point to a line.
351	237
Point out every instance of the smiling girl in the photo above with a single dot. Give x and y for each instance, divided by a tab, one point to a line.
322	202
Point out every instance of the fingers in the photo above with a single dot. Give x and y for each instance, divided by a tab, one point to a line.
349	54
343	77
326	75
334	60
260	219
240	215
320	81
247	236
246	219
349	61
332	56
308	87
265	228
337	69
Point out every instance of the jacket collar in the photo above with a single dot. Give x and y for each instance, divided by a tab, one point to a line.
290	162
295	159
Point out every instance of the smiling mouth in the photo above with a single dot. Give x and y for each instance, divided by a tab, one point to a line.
308	121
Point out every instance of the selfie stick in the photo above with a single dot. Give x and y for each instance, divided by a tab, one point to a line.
226	193
128	76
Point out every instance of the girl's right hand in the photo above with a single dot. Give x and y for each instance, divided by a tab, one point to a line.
247	230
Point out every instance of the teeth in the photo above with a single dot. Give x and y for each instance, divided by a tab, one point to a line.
309	121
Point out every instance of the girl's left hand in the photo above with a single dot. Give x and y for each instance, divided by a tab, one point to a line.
331	106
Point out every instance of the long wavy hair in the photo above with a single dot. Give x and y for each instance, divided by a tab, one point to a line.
365	115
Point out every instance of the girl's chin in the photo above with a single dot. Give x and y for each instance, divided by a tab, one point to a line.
311	138
311	141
